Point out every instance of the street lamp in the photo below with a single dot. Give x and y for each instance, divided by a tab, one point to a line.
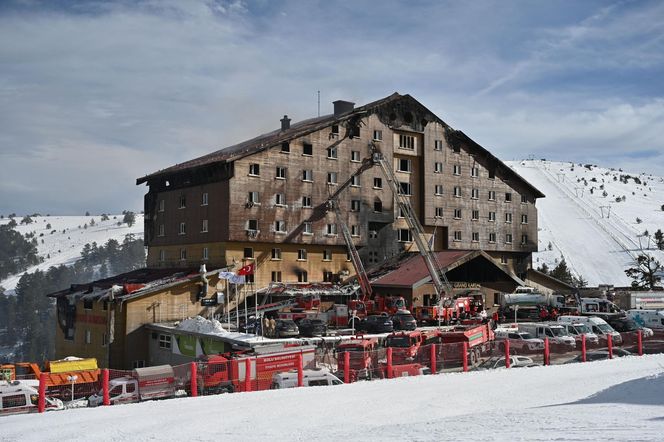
72	379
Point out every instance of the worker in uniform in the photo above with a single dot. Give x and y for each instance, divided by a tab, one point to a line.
266	326
273	328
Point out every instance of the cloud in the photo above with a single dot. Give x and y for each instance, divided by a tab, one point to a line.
95	94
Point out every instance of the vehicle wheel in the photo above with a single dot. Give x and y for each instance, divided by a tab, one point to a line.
473	358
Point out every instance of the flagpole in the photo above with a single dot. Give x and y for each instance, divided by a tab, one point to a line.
237	310
228	304
244	289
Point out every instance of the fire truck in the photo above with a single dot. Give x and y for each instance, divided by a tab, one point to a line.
405	346
363	358
226	373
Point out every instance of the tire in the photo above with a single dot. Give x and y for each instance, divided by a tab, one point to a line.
473	358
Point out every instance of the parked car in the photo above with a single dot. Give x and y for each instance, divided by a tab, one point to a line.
310	378
403	320
286	328
516	361
377	324
519	341
602	353
312	327
627	325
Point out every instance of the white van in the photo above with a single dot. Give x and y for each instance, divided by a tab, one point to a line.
312	378
17	397
577	329
556	333
653	319
597	325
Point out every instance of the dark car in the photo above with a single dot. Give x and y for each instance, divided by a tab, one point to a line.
377	324
312	327
623	325
286	328
404	321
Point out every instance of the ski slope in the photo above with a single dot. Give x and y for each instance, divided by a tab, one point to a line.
64	241
598	236
620	399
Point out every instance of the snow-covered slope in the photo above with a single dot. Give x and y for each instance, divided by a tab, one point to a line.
581	219
65	244
609	400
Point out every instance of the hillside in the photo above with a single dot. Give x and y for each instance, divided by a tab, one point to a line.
594	217
63	242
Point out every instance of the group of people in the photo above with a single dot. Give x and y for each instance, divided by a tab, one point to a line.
267	327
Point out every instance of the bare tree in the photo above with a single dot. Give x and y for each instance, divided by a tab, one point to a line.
646	272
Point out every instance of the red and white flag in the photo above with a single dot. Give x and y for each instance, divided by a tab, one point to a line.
246	270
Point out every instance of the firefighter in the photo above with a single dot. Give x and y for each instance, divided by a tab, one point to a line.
543	314
266	326
273	328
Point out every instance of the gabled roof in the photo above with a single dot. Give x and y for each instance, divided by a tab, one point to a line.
412	272
381	107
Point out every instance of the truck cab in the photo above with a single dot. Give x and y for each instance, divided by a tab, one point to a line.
405	345
363	356
17	397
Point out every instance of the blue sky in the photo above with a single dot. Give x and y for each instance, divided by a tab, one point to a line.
94	94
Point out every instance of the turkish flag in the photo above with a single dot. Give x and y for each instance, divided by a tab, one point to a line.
246	270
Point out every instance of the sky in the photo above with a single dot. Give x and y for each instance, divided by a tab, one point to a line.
94	94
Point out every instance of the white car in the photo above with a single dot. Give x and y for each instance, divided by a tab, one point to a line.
520	341
516	361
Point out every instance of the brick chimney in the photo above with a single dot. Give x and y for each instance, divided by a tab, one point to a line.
341	107
285	123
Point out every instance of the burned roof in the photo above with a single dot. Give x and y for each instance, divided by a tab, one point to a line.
391	110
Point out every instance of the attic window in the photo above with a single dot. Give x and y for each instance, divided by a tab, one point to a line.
354	132
492	174
456	148
307	149
285	147
87	304
335	129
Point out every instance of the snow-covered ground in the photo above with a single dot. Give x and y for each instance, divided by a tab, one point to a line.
619	399
596	243
65	244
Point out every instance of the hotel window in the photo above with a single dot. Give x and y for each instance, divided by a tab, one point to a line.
457	235
307	228
456	148
355	156
405	188
405	236
508	197
276	276
378	206
373	234
162	255
306	201
330	229
492	237
183	201
162	204
280	199
377	135
503	259
253	198
492	216
285	147
254	169
302	254
307	175
205	253
348	258
327	255
456	169
335	129
248	253
438	189
508	217
204	199
508	238
457	191
404	165
355	205
276	254
332	152
355	230
438	145
524	219
204	226
492	174
183	229
302	276
378	183
407	142
307	149
439	212
492	195
475	194
183	254
524	239
355	181
401	213
475	215
331	178
252	225
438	168
524	199
457	213
475	237
281	173
161	230
328	276
280	226
475	172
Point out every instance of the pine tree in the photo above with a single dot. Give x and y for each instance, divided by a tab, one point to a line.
659	239
562	273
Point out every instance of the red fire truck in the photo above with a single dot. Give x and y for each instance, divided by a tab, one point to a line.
363	357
